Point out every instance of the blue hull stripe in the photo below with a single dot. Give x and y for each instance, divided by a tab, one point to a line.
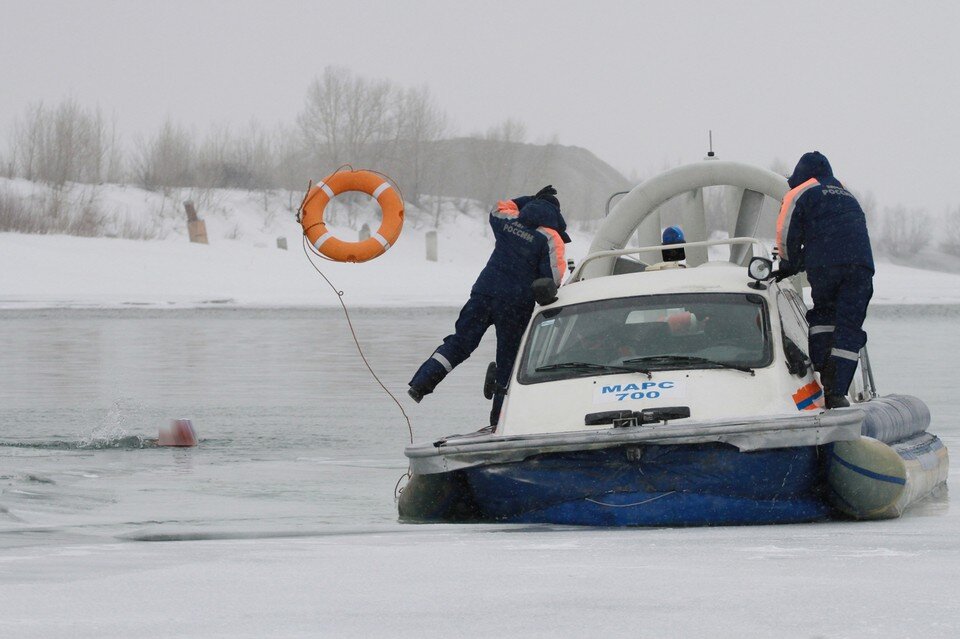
869	473
706	484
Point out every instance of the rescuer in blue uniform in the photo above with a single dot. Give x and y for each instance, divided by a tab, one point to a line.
822	230
530	234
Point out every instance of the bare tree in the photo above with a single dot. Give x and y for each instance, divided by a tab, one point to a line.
420	123
65	143
114	166
165	160
228	160
294	164
256	150
951	232
213	162
28	142
905	232
347	119
370	124
320	121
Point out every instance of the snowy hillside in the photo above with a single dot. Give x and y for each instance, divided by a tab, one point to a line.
242	266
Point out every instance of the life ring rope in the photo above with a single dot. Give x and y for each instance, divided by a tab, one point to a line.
304	217
375	184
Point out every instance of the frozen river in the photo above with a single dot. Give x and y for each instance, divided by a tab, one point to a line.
283	523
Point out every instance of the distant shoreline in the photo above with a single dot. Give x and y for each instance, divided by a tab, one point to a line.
877	310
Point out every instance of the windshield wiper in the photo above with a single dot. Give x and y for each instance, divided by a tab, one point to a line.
589	366
687	359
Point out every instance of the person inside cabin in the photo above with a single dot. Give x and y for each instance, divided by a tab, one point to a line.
671	256
530	234
822	230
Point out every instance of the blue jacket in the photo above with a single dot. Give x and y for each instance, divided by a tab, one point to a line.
530	236
820	222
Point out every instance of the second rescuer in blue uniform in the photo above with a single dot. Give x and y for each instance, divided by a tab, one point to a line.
822	229
530	235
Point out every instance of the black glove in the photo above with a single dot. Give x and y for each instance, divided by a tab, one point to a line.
787	269
547	190
782	274
549	194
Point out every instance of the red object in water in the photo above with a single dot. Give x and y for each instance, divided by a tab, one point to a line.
180	432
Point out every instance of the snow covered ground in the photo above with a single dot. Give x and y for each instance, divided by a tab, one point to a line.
242	265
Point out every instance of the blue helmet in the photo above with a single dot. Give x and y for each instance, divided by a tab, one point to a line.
673	235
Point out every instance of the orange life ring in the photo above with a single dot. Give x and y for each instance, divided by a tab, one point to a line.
366	182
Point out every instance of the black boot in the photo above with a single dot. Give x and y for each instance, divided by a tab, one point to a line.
832	397
836	401
826	377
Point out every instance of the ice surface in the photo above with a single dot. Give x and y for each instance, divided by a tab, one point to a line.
282	521
826	580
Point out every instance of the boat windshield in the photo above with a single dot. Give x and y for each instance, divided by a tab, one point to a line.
647	333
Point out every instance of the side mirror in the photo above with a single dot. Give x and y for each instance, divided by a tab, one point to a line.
760	269
490	381
544	291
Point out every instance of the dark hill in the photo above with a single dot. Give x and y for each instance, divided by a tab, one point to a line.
489	170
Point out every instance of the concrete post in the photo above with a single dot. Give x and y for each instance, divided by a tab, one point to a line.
282	243
195	226
431	246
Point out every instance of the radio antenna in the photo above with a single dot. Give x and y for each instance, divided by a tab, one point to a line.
710	153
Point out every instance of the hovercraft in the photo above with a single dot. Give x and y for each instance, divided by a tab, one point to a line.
650	394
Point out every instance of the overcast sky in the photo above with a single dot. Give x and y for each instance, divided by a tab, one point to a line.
874	85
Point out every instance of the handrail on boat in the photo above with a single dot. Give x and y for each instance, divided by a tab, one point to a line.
763	252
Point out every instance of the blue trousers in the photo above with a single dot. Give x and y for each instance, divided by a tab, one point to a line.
476	316
840	298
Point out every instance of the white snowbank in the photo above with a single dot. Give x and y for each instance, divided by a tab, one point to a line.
242	266
38	271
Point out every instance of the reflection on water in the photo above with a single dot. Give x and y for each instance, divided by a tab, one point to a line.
292	428
294	433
